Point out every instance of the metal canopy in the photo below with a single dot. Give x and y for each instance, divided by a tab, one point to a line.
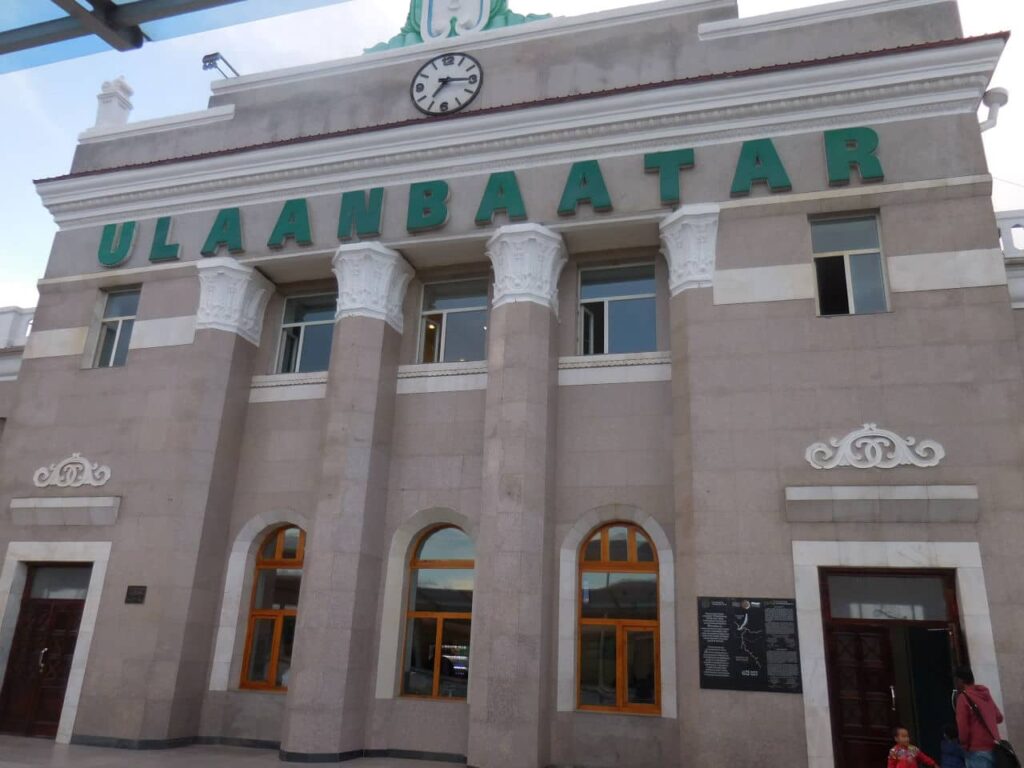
36	32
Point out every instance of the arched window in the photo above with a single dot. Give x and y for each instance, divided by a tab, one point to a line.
275	600
439	615
618	622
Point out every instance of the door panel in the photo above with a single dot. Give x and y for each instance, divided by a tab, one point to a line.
861	676
39	664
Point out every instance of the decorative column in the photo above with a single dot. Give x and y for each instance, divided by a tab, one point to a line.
689	240
334	650
510	669
232	298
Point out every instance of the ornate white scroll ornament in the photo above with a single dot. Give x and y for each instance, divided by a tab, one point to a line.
871	447
73	472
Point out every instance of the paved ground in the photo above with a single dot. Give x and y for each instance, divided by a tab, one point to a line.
29	753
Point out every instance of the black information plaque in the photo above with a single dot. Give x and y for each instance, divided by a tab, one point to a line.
749	644
135	596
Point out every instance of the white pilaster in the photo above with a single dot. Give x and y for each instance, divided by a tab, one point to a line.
689	239
232	297
527	260
114	104
372	279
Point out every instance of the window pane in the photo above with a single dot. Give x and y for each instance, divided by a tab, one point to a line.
593	549
464	294
887	597
465	338
832	298
270	548
868	284
640	668
108	333
618	544
619	281
598	680
316	348
277	589
311	309
60	583
844	235
644	550
593	328
454	658
123	304
432	326
284	654
447	544
291	543
121	353
448	590
631	326
289	349
620	595
419	657
260	650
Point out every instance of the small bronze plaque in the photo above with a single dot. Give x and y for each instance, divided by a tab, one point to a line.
135	596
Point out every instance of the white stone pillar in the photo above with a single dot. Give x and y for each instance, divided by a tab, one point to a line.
114	104
232	297
510	670
689	239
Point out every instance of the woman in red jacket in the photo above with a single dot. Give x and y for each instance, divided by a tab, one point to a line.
978	724
906	755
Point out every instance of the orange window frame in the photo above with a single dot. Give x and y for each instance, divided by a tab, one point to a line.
622	627
440	616
276	615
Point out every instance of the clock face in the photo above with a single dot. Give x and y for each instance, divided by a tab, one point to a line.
447	83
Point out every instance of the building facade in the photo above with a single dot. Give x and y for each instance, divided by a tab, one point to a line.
642	390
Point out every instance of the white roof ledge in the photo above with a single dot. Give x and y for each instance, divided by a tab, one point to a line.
799	17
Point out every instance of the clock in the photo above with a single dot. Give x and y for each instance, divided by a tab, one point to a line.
446	84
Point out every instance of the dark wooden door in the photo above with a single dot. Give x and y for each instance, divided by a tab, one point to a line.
39	666
861	677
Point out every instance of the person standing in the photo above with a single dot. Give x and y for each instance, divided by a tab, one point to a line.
977	724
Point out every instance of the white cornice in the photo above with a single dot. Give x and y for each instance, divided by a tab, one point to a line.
872	90
536	30
158	125
800	17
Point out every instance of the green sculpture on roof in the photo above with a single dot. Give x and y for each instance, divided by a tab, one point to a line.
437	19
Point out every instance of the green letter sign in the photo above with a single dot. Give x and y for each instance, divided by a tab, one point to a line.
502	195
115	250
585	185
759	162
161	249
292	224
428	206
226	232
668	165
852	147
361	211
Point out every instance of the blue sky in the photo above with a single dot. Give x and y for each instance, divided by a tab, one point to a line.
47	107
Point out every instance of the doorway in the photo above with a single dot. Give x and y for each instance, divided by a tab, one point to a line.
892	641
45	635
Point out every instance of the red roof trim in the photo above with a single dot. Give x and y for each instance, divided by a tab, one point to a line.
542	103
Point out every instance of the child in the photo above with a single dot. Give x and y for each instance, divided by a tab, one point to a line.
905	755
952	753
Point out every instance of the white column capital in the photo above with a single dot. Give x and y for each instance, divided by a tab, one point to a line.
689	239
527	260
372	279
232	297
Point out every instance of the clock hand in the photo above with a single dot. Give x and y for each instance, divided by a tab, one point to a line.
444	81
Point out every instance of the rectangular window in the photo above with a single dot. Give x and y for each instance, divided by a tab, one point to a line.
307	331
617	310
453	325
116	329
848	266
